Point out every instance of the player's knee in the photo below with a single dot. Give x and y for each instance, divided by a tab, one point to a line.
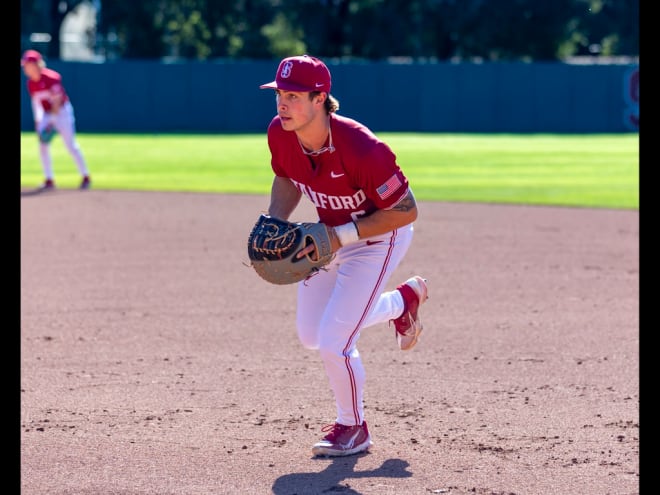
334	349
309	340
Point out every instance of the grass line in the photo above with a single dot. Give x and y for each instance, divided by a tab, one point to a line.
595	170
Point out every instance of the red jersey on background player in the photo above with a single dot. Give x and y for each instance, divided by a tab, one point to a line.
52	110
364	198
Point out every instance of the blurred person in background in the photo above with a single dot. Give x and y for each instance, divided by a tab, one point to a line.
52	112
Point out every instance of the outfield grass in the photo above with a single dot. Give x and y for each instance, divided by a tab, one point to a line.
595	170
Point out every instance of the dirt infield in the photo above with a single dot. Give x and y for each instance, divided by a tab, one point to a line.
154	361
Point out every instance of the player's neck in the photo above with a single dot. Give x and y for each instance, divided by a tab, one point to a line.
316	134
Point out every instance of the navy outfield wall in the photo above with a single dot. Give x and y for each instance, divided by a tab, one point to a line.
224	97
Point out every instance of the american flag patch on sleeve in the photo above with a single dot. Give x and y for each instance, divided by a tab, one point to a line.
386	189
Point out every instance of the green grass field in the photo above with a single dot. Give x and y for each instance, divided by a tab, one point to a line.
595	170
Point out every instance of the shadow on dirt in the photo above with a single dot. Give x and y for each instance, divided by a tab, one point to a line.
48	192
336	477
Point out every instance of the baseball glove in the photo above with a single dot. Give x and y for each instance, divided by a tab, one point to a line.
47	133
273	244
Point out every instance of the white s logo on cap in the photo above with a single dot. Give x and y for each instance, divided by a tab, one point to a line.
286	70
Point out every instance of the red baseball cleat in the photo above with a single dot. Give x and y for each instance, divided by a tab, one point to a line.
408	326
343	440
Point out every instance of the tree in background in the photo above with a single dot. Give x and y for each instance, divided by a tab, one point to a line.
433	30
607	27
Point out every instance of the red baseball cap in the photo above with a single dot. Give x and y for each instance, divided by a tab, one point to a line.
301	73
30	56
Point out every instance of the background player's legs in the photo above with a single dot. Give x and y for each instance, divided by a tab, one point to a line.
46	160
65	125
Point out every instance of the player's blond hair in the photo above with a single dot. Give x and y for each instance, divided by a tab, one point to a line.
331	104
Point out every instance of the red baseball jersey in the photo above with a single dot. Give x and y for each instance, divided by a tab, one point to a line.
360	176
48	85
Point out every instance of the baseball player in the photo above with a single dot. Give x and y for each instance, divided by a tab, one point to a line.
364	198
52	109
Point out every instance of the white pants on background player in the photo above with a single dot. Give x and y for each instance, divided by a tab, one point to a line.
334	306
64	121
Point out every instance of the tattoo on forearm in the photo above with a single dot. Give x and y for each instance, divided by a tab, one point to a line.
406	204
